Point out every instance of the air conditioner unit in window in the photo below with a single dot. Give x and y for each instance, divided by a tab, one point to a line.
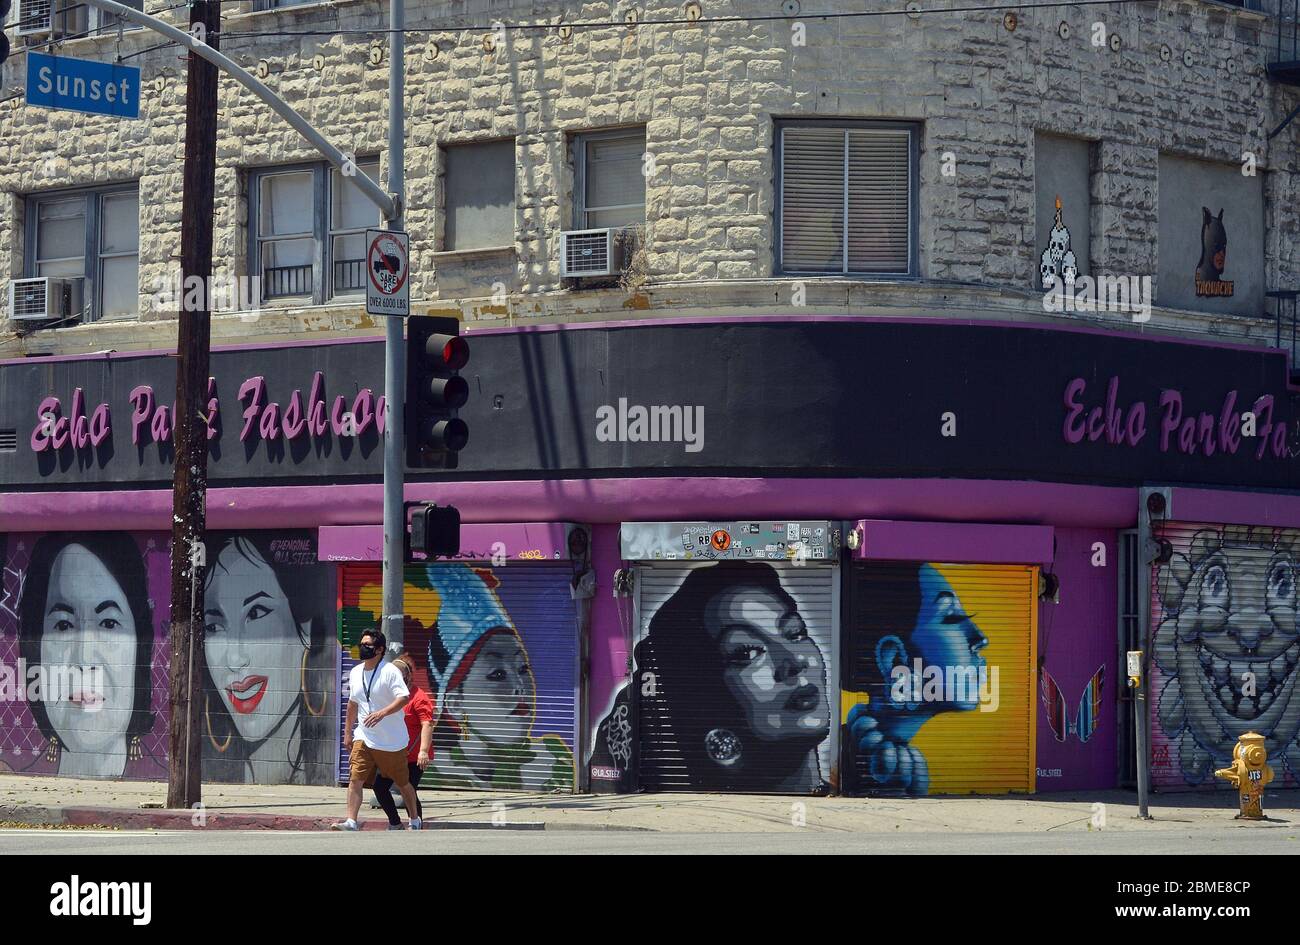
44	299
590	253
50	18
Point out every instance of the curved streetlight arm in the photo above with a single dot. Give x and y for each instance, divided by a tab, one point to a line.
384	201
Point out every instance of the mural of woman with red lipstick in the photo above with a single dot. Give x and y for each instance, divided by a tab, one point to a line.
270	664
485	694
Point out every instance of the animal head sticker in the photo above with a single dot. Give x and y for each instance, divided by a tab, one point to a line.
1214	256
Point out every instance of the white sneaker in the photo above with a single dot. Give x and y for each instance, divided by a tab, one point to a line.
348	824
417	823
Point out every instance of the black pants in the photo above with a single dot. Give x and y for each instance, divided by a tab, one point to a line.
384	794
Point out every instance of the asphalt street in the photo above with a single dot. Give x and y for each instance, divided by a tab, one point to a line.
1229	841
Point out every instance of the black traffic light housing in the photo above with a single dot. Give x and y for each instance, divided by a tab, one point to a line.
435	392
435	531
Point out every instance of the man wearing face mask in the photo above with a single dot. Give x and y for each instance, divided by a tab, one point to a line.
375	733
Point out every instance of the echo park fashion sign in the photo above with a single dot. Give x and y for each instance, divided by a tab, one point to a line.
1191	433
152	421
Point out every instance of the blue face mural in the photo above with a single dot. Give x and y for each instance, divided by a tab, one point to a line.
943	637
940	661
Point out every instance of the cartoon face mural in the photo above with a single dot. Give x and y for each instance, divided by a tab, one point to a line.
270	660
79	646
1226	647
732	688
918	656
501	720
88	613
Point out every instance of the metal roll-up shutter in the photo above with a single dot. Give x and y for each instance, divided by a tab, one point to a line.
497	650
735	678
1223	651
939	661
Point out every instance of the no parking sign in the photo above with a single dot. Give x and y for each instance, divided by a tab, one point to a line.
388	267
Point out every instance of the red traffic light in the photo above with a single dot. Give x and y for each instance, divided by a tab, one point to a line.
452	350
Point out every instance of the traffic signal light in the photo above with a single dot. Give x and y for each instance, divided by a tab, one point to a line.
435	391
4	40
435	531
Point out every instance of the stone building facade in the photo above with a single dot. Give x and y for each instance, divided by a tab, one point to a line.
833	352
1135	82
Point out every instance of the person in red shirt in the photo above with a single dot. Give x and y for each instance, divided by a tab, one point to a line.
418	714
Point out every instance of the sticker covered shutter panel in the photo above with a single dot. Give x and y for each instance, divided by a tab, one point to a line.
749	710
1223	651
939	660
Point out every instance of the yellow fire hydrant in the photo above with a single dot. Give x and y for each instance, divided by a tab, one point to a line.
1249	774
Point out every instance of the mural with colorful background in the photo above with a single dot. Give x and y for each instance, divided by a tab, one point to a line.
1225	647
98	603
939	679
496	649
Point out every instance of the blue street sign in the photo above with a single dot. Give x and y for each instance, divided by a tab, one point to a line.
82	85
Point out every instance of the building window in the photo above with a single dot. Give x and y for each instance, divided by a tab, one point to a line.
847	197
308	241
280	4
101	21
71	20
94	236
609	183
480	196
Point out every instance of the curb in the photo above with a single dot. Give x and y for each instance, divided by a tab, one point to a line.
125	819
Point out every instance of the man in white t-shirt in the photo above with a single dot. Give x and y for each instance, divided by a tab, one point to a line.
375	733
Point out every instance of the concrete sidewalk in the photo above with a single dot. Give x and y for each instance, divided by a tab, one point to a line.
136	805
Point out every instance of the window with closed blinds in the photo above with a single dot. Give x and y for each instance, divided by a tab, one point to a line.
612	180
846	199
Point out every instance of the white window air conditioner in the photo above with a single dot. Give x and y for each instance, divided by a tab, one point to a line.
51	18
590	253
44	299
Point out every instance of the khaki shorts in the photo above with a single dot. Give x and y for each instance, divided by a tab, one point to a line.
365	761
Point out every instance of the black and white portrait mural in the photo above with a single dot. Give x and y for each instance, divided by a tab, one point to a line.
731	688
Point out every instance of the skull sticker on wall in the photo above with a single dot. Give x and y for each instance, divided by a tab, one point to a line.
1058	260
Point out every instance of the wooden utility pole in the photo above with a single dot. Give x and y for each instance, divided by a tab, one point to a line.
189	498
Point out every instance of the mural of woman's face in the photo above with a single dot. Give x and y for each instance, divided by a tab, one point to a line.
253	646
945	635
88	627
772	667
499	696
